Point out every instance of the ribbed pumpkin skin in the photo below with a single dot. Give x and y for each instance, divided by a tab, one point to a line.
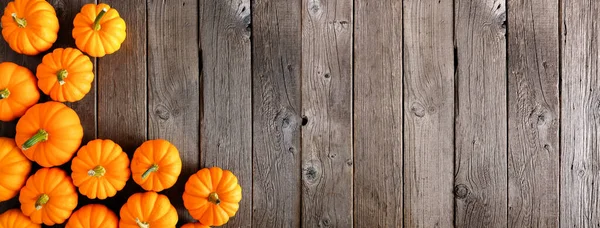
93	216
14	218
64	133
195	225
14	169
159	152
98	43
103	154
199	187
148	207
62	197
77	67
22	89
40	32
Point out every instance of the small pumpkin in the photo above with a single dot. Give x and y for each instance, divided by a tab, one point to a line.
195	225
29	26
18	91
100	169
65	74
14	218
156	165
14	169
93	216
49	197
49	133
98	30
212	196
146	210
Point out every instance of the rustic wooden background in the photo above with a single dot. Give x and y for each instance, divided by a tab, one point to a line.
364	113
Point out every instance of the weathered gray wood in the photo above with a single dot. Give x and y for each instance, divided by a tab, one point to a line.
173	86
580	171
428	114
226	129
378	113
533	111
327	166
481	114
276	62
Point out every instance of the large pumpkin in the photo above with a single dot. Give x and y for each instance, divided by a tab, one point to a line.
98	30
147	210
195	225
156	165
14	169
49	197
29	26
18	91
212	195
65	74
49	133
93	216
14	218
100	169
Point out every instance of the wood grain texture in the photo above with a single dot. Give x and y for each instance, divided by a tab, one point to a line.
533	110
428	114
580	115
481	114
174	87
276	107
327	157
226	120
378	113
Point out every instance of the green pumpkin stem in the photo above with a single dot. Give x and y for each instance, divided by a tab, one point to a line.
61	75
21	22
97	20
41	201
4	93
141	224
40	136
97	171
152	168
213	197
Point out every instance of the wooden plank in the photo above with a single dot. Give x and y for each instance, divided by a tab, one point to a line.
121	86
580	173
533	111
226	122
276	62
481	114
428	114
327	104
378	113
173	86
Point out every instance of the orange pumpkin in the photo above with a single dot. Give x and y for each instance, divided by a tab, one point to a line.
146	210
100	169
65	74
195	225
212	196
156	165
29	26
49	133
14	218
49	197
14	169
18	91
93	216
98	30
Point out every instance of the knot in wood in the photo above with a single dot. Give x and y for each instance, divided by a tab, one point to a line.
417	109
461	191
162	112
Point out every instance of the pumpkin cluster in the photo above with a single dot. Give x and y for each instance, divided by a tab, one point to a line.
50	134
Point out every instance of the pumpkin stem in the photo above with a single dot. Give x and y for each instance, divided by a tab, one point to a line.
21	22
141	224
4	93
98	171
61	75
97	20
213	197
41	201
152	168
40	136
